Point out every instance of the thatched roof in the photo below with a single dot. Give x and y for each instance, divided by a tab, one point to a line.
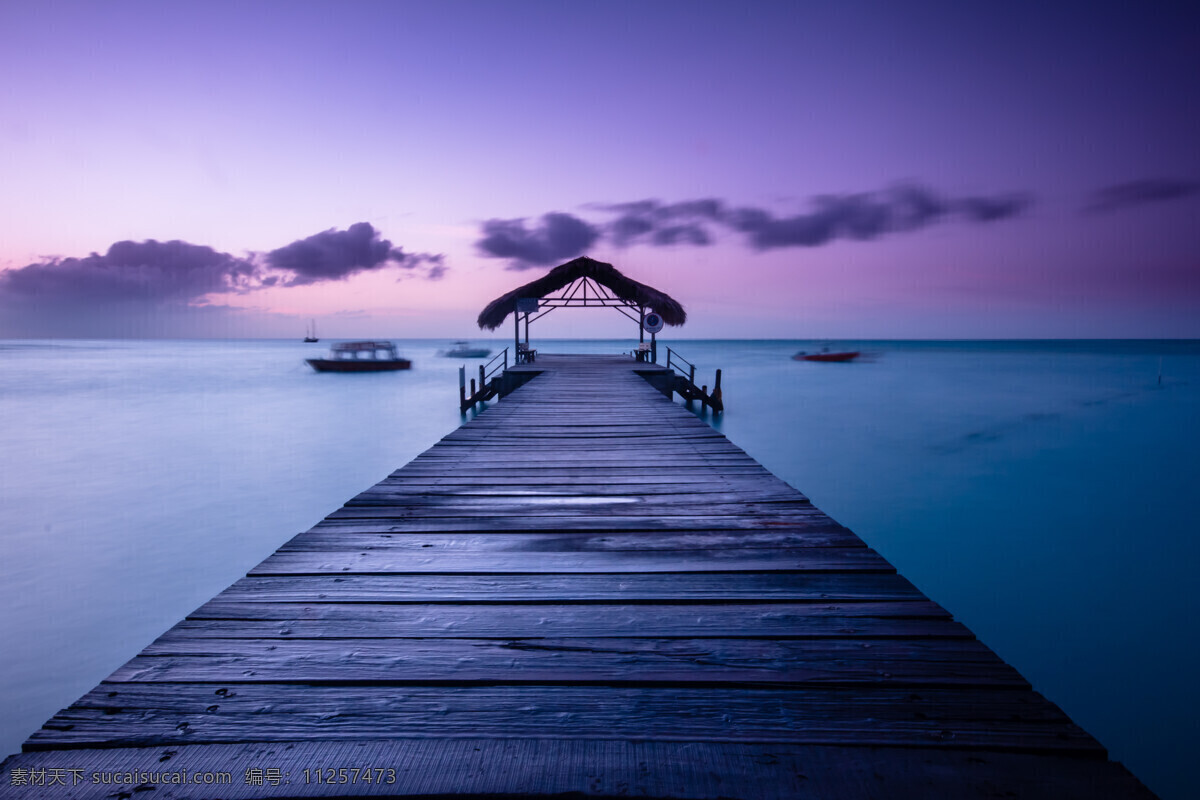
604	274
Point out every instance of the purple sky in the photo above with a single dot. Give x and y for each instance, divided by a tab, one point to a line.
904	170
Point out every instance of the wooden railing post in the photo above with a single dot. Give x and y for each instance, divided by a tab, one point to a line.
462	389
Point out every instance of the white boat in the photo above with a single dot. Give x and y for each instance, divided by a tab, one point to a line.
466	350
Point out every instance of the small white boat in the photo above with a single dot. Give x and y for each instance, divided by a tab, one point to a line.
466	350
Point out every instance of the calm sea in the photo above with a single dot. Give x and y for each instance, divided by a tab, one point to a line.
1043	492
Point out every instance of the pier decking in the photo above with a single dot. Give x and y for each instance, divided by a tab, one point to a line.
584	591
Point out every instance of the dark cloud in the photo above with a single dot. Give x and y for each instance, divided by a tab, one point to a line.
145	272
682	234
861	216
849	216
914	207
765	231
660	223
990	209
709	208
557	237
868	216
434	266
333	255
625	229
1140	192
153	274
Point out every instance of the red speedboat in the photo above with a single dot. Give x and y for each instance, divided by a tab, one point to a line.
849	355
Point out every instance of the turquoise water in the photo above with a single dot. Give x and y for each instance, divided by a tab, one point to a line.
1041	491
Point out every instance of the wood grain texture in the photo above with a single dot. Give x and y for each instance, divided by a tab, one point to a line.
187	714
694	588
923	660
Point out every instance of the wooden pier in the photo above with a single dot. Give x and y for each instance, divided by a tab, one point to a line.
585	591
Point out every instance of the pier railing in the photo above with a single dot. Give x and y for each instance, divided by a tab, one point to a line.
495	380
497	364
685	383
488	375
674	360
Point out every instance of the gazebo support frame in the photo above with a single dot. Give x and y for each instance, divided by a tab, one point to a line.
583	292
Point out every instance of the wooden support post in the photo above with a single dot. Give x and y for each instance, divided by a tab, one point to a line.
472	391
692	375
462	389
517	333
482	382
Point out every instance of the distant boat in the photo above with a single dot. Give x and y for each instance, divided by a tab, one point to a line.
826	355
465	350
345	357
310	331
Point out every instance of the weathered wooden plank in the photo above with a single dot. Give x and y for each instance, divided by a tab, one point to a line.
901	662
604	516
751	702
520	450
573	541
578	523
579	470
777	511
526	450
642	475
567	498
181	714
731	618
626	505
528	438
812	559
223	619
534	476
548	589
561	625
514	456
614	483
545	432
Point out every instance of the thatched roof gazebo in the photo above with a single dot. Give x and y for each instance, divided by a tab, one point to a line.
581	282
